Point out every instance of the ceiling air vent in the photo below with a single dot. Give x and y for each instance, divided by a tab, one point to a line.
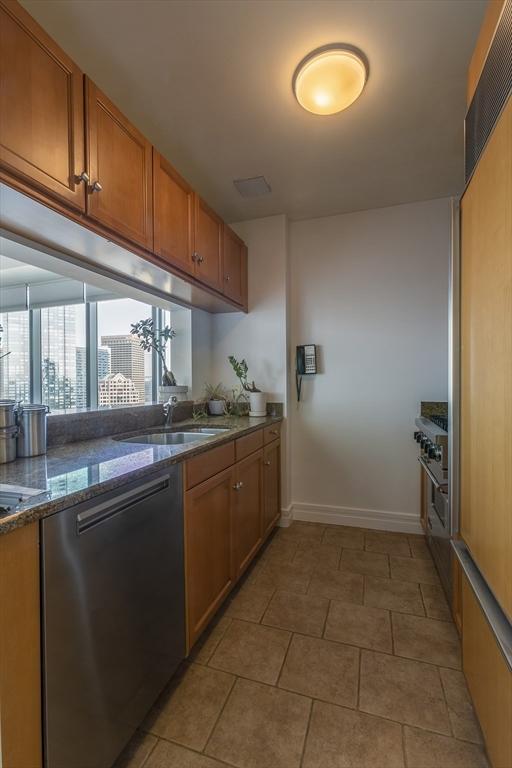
255	187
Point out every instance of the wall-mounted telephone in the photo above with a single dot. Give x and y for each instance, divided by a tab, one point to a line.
306	364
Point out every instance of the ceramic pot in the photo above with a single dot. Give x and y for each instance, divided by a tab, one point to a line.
164	393
216	407
258	404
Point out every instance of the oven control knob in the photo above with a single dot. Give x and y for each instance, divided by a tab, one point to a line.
424	442
432	451
418	436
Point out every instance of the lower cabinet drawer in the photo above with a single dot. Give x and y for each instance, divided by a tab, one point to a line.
249	444
489	679
271	433
207	464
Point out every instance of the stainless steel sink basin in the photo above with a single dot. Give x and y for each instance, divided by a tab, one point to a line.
173	438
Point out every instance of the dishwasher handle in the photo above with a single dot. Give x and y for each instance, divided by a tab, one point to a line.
100	513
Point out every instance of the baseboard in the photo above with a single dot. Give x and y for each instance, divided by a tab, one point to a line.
359	518
286	517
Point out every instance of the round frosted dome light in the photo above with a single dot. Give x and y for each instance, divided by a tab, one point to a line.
329	80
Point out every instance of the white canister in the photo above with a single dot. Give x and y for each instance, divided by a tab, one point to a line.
258	404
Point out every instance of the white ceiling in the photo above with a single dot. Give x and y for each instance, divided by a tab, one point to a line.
209	83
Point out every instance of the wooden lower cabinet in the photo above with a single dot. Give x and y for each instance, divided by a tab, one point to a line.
227	518
247	522
20	653
271	486
208	549
489	680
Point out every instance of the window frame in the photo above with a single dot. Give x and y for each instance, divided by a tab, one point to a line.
91	347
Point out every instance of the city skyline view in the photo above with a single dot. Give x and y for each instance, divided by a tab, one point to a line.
120	359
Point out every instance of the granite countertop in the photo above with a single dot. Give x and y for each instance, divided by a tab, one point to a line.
75	472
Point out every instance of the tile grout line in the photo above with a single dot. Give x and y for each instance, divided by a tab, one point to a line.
144	762
220	714
360	650
306	733
404	752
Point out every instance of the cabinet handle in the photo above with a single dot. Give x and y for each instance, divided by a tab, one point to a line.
96	187
200	259
238	486
83	177
273	432
228	278
267	463
195	256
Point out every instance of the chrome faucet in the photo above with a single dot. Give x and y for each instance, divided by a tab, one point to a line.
169	407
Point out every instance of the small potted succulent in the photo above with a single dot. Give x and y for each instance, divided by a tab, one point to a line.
257	398
215	397
151	338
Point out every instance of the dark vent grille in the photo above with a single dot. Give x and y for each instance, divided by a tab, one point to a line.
493	89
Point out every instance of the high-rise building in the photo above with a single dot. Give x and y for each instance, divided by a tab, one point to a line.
116	389
81	377
127	358
59	357
104	362
15	356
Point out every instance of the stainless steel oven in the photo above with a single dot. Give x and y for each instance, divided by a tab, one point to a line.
432	437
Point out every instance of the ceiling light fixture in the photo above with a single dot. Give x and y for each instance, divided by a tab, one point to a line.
330	78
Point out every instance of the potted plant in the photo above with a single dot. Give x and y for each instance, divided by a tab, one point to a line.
151	338
257	398
215	397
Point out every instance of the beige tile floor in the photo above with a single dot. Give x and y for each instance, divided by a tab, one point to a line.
337	651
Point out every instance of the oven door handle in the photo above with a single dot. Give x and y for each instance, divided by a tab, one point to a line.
432	477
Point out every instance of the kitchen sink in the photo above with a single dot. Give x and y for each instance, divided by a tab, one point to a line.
192	435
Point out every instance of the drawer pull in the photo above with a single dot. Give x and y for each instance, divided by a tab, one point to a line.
267	463
238	486
273	432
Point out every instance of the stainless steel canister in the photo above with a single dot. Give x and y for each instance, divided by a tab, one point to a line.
7	413
8	444
32	430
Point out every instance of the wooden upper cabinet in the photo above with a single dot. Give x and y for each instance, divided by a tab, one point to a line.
119	164
173	220
41	108
208	241
234	269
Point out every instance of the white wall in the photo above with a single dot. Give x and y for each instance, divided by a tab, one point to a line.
371	288
260	336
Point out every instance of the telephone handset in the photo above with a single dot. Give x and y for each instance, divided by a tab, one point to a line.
306	364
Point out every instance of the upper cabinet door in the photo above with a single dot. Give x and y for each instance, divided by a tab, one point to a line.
119	162
208	230
173	218
234	267
41	108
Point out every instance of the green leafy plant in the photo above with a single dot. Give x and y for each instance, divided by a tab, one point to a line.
157	339
215	392
241	370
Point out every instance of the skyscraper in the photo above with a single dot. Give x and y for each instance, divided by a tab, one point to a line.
104	362
15	366
116	389
81	377
127	358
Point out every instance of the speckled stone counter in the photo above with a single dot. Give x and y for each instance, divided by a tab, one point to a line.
75	472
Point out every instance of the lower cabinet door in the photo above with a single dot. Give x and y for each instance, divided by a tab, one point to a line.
208	549
271	485
248	509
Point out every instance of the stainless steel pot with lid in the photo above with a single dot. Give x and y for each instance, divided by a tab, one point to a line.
32	430
7	413
8	444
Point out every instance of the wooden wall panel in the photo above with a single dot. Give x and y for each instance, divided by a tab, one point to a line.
486	362
20	652
489	680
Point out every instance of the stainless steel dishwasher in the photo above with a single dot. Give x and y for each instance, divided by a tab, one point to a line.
113	617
